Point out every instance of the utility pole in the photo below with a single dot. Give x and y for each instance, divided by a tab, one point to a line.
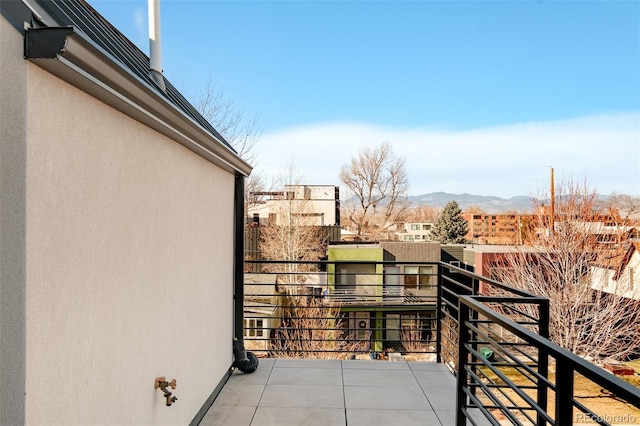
553	205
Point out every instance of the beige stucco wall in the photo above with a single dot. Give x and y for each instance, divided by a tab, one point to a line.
12	244
129	264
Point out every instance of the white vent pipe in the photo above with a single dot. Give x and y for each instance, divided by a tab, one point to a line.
155	44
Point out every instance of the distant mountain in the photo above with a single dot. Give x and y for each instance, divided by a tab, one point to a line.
489	204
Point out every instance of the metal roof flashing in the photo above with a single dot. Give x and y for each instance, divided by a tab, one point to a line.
68	53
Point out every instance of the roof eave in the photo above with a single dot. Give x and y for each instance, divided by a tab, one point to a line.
71	56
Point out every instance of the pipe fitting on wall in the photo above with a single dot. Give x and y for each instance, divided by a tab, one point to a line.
162	384
244	361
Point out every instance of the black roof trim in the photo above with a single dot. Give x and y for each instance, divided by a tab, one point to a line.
46	42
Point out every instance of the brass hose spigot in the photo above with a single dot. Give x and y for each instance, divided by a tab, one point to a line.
162	384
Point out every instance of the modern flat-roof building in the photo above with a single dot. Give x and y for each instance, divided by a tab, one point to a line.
320	203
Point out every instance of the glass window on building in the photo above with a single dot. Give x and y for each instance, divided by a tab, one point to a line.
419	276
253	328
415	227
409	326
417	326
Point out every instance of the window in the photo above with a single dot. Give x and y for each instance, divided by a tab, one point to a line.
408	238
253	328
418	276
416	326
392	288
426	227
415	227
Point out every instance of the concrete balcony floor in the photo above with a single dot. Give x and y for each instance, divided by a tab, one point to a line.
332	392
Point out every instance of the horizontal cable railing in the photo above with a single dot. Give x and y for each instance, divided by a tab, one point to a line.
354	309
492	337
511	372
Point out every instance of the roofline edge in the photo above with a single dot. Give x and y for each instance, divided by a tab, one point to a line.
83	64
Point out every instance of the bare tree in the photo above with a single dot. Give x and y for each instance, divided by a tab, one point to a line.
311	327
557	264
422	214
474	210
315	330
378	180
624	211
292	233
416	347
241	132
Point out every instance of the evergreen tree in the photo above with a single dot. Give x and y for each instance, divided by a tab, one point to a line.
450	226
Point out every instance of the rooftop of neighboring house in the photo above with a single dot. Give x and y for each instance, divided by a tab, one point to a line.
618	258
361	244
496	248
300	191
259	284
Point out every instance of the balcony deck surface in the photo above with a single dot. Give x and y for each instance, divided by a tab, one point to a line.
294	392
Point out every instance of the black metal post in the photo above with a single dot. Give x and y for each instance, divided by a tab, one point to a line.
238	269
463	354
543	360
475	286
564	392
439	317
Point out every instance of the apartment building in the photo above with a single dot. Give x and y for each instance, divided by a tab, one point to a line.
413	231
494	228
320	203
381	301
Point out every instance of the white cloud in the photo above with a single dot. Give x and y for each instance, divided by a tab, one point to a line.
140	20
505	161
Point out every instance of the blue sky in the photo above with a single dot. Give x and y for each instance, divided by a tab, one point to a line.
481	97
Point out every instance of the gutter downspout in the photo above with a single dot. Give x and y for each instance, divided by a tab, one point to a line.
155	45
244	361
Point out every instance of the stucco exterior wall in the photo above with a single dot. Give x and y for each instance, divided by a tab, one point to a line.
12	225
129	265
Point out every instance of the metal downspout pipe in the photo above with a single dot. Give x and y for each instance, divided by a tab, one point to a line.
244	361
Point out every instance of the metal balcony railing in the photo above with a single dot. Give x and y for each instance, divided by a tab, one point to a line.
492	337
